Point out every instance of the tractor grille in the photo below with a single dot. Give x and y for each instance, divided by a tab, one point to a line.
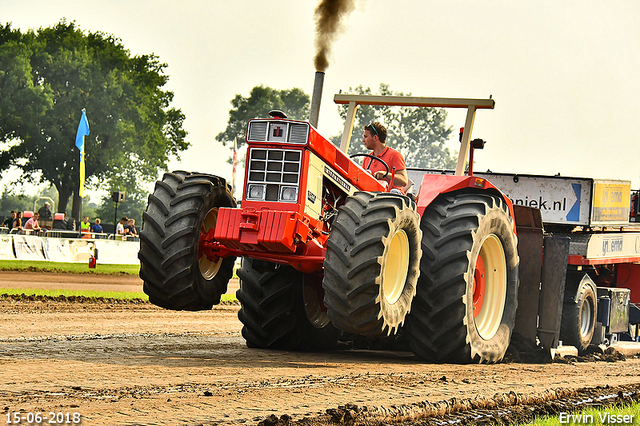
258	131
274	175
298	133
278	131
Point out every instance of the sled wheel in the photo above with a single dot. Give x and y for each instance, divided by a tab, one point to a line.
372	263
465	305
579	316
281	308
181	211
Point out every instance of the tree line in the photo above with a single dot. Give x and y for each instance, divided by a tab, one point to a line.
47	76
420	134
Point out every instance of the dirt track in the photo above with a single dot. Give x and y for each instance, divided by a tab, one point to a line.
55	281
138	364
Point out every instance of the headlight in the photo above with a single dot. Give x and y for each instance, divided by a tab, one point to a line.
256	192
289	194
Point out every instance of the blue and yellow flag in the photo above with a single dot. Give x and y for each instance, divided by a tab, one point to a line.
83	130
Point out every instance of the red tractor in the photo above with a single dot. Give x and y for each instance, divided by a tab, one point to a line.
327	250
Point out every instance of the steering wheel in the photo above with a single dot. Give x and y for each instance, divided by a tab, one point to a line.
373	157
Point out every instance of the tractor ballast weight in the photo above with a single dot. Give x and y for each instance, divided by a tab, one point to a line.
326	249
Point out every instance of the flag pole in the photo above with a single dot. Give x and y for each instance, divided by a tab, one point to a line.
83	130
235	165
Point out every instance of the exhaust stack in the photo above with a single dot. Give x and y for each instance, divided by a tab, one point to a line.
316	98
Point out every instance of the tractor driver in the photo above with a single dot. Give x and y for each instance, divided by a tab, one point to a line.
375	136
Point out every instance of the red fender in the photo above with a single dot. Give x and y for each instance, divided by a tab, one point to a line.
436	184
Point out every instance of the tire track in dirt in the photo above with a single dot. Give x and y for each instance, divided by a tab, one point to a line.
134	363
138	364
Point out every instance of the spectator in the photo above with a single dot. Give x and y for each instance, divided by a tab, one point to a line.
85	226
17	222
96	227
120	226
8	222
32	223
45	211
130	228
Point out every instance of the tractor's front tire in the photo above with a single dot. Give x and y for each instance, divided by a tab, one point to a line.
182	209
464	309
372	263
281	308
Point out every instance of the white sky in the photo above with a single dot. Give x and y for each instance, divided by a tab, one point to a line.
565	75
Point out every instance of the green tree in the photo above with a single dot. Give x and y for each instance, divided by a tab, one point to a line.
49	75
420	134
9	200
21	97
293	102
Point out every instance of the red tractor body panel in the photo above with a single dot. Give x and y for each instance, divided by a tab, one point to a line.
283	232
349	170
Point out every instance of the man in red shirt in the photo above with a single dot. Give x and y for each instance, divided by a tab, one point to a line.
375	136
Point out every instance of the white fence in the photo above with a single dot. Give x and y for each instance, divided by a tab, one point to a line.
60	249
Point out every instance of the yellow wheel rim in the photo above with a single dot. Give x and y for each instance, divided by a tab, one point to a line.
396	267
489	318
208	268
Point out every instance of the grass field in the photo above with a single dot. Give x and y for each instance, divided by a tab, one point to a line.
127	295
121	295
77	268
74	268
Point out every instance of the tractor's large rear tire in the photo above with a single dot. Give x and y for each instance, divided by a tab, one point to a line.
465	306
281	308
372	263
181	210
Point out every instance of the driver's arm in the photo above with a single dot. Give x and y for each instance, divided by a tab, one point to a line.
401	178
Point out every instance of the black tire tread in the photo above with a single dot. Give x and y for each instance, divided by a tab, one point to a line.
570	332
437	322
272	311
354	259
169	241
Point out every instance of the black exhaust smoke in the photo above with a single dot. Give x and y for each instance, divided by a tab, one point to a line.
328	14
316	98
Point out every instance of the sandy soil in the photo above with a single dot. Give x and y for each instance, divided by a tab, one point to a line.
133	364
